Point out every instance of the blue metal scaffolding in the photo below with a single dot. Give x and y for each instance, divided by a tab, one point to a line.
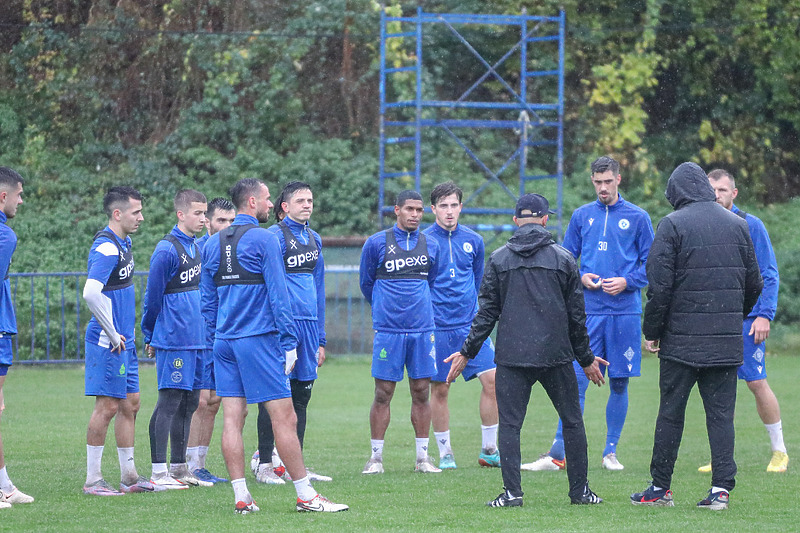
539	125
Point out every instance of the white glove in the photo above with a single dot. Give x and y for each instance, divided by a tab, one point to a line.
291	359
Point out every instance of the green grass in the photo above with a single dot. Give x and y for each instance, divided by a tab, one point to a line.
44	429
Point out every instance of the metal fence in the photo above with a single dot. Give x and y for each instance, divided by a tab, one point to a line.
52	316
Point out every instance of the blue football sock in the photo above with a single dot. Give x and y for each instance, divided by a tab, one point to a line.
616	411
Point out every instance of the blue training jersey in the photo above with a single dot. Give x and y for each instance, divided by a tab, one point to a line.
247	310
8	244
398	305
201	242
103	258
455	290
172	320
767	303
611	241
306	289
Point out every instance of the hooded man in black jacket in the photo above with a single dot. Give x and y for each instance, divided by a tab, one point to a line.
703	280
532	287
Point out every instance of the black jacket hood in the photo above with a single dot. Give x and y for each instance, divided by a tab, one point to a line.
529	239
687	184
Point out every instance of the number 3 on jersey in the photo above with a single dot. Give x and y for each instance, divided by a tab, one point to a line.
452	272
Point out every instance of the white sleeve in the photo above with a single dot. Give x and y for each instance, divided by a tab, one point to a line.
100	306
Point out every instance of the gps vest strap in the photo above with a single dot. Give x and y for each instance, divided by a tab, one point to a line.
299	257
122	275
187	278
230	272
404	264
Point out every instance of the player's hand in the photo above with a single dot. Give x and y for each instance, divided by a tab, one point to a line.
591	281
320	356
121	346
291	359
760	329
614	286
458	362
593	371
149	350
652	346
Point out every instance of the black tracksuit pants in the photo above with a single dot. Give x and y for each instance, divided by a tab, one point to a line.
717	386
513	389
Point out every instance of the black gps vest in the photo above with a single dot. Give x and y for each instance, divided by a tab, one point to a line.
404	264
187	278
122	275
230	272
299	257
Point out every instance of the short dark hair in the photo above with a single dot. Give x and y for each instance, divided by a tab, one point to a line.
405	196
604	164
443	190
286	195
718	173
185	197
244	189
10	178
223	204
116	196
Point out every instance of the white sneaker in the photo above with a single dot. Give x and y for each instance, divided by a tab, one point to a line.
610	462
254	462
167	482
5	505
544	463
313	476
373	466
15	496
182	474
265	474
320	504
426	466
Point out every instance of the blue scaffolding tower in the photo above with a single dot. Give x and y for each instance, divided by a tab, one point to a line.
538	124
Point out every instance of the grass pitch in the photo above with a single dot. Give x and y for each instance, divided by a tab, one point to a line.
44	429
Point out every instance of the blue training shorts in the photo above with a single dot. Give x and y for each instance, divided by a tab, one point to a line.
305	369
111	374
392	352
177	369
618	340
450	341
251	368
205	371
754	366
6	349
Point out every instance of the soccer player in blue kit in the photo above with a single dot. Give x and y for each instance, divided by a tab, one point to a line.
455	302
756	326
112	366
305	278
219	215
398	267
612	239
246	301
10	199
174	332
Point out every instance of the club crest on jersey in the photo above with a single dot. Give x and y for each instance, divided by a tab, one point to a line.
468	247
624	223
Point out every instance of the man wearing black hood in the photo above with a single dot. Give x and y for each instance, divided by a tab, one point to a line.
703	279
533	288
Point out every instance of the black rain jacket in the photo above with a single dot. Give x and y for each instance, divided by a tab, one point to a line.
703	276
531	285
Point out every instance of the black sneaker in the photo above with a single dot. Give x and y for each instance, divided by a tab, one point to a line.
718	501
587	498
506	500
653	497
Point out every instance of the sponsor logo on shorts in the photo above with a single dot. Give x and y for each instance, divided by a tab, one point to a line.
758	355
177	363
468	247
176	377
624	224
629	354
122	369
433	338
383	354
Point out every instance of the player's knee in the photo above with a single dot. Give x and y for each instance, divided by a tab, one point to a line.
440	391
618	385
